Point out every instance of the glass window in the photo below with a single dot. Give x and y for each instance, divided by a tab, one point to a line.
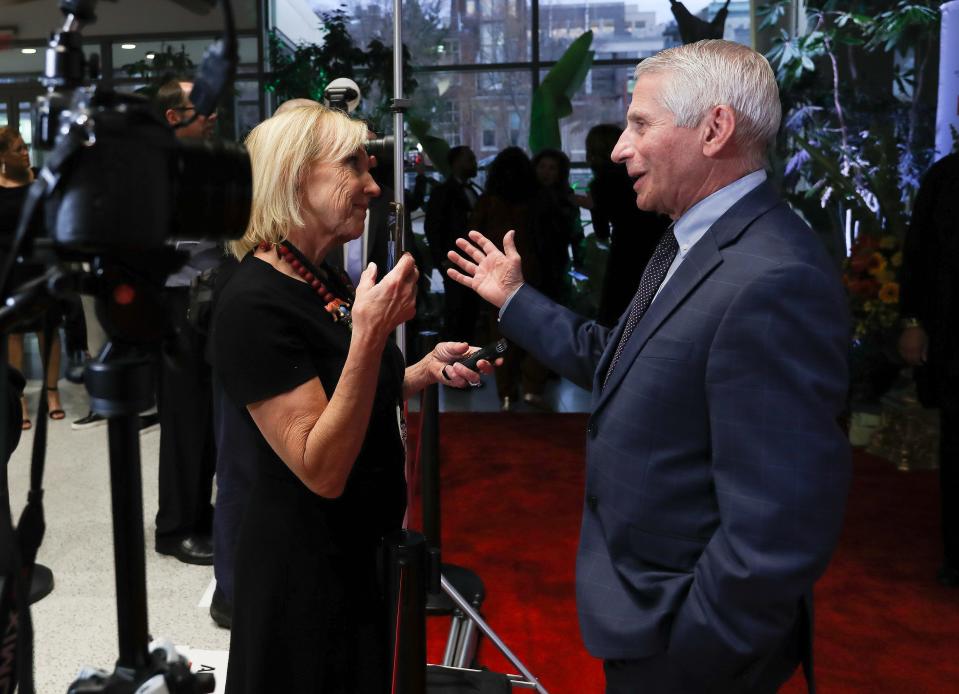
245	113
486	111
26	123
628	29
3	114
445	32
603	98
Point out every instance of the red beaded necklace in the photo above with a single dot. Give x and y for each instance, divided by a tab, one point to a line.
338	308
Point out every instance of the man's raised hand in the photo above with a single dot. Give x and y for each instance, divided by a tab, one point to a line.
485	269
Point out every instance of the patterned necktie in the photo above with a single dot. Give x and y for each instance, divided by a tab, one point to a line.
653	276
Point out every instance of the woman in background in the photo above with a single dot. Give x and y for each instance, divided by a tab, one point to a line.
15	179
556	227
509	202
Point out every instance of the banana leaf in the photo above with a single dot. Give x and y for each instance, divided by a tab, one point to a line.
552	100
436	148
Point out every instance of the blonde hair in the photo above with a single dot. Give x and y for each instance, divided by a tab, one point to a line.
713	72
282	149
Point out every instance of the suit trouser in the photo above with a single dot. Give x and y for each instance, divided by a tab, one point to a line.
234	480
187	449
949	475
659	675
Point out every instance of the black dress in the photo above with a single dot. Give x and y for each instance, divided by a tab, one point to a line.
11	202
308	612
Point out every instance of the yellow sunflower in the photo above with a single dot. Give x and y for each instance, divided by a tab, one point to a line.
889	293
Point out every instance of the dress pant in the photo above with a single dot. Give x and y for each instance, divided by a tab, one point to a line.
235	474
187	449
658	674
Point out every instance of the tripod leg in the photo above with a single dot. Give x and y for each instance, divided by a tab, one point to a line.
127	496
490	634
466	653
452	641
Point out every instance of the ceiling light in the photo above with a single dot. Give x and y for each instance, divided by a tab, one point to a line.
151	55
128	46
28	51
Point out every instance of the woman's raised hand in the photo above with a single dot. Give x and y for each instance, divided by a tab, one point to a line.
488	271
381	306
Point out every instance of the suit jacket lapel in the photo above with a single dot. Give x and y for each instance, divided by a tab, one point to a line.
701	260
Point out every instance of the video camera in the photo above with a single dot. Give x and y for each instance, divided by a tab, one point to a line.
116	189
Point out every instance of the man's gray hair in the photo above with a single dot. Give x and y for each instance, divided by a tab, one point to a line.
713	72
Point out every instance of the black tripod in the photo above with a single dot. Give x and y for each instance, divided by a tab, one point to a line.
121	386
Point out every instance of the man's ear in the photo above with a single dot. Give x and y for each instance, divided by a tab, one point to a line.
172	116
719	127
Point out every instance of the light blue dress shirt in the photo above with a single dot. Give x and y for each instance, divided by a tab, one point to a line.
695	222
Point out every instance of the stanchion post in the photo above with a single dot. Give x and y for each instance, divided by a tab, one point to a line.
429	447
407	577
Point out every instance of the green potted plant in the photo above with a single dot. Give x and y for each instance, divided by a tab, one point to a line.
857	134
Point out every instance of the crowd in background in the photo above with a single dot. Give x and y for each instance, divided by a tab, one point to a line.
534	197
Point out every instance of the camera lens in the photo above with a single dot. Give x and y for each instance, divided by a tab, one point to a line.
214	186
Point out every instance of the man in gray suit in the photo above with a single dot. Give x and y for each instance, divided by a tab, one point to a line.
716	471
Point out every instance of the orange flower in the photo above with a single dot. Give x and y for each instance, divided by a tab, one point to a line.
876	263
889	293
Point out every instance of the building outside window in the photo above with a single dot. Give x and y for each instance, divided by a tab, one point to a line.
476	61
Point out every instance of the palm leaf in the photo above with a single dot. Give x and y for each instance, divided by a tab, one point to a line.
552	99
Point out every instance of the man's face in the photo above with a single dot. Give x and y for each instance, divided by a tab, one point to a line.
666	161
202	128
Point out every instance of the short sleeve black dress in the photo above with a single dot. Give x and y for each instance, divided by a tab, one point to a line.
308	613
11	202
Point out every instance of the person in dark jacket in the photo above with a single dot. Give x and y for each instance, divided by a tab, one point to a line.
447	215
929	306
632	233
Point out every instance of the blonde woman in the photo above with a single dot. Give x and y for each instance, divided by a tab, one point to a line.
314	387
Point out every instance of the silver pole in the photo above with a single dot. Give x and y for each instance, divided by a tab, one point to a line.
398	142
490	634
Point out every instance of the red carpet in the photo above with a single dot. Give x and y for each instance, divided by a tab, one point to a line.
512	494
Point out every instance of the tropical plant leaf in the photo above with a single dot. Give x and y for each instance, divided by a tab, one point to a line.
552	99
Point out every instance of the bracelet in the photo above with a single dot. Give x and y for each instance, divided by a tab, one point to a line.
910	323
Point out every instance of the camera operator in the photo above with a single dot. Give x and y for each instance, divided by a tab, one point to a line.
315	387
184	398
